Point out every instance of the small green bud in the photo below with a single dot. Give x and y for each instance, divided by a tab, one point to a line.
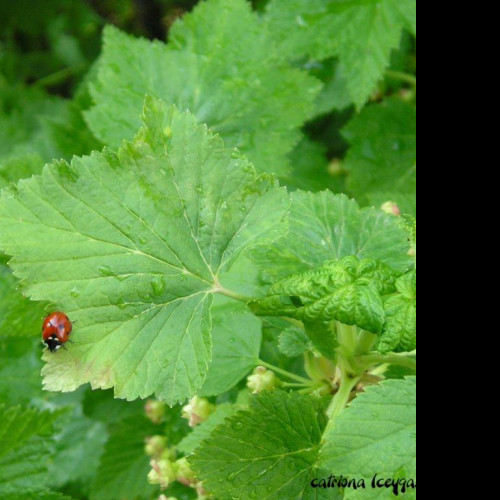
407	95
155	411
155	446
197	411
391	208
262	380
336	168
163	472
163	497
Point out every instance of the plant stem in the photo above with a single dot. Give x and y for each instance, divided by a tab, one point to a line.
231	294
340	401
312	383
393	359
285	373
59	76
404	77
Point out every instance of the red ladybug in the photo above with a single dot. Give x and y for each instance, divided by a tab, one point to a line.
56	331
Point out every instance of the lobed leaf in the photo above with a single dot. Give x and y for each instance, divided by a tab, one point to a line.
130	244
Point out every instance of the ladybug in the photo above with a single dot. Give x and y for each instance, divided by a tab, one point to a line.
56	330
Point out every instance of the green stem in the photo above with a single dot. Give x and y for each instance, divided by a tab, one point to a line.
404	77
393	359
340	401
60	76
405	354
231	294
312	383
285	373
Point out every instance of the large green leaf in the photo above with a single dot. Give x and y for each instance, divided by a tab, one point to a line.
221	65
348	290
362	33
376	434
268	451
324	226
130	244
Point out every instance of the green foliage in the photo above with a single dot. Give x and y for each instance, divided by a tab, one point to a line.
238	85
361	33
42	41
293	342
19	369
139	193
235	350
383	152
124	466
383	421
24	450
400	329
203	431
268	451
37	128
325	227
348	290
18	316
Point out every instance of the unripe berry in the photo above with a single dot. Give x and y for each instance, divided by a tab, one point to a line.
262	380
391	208
163	472
197	411
155	411
155	446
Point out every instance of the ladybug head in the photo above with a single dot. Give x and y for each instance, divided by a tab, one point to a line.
53	343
